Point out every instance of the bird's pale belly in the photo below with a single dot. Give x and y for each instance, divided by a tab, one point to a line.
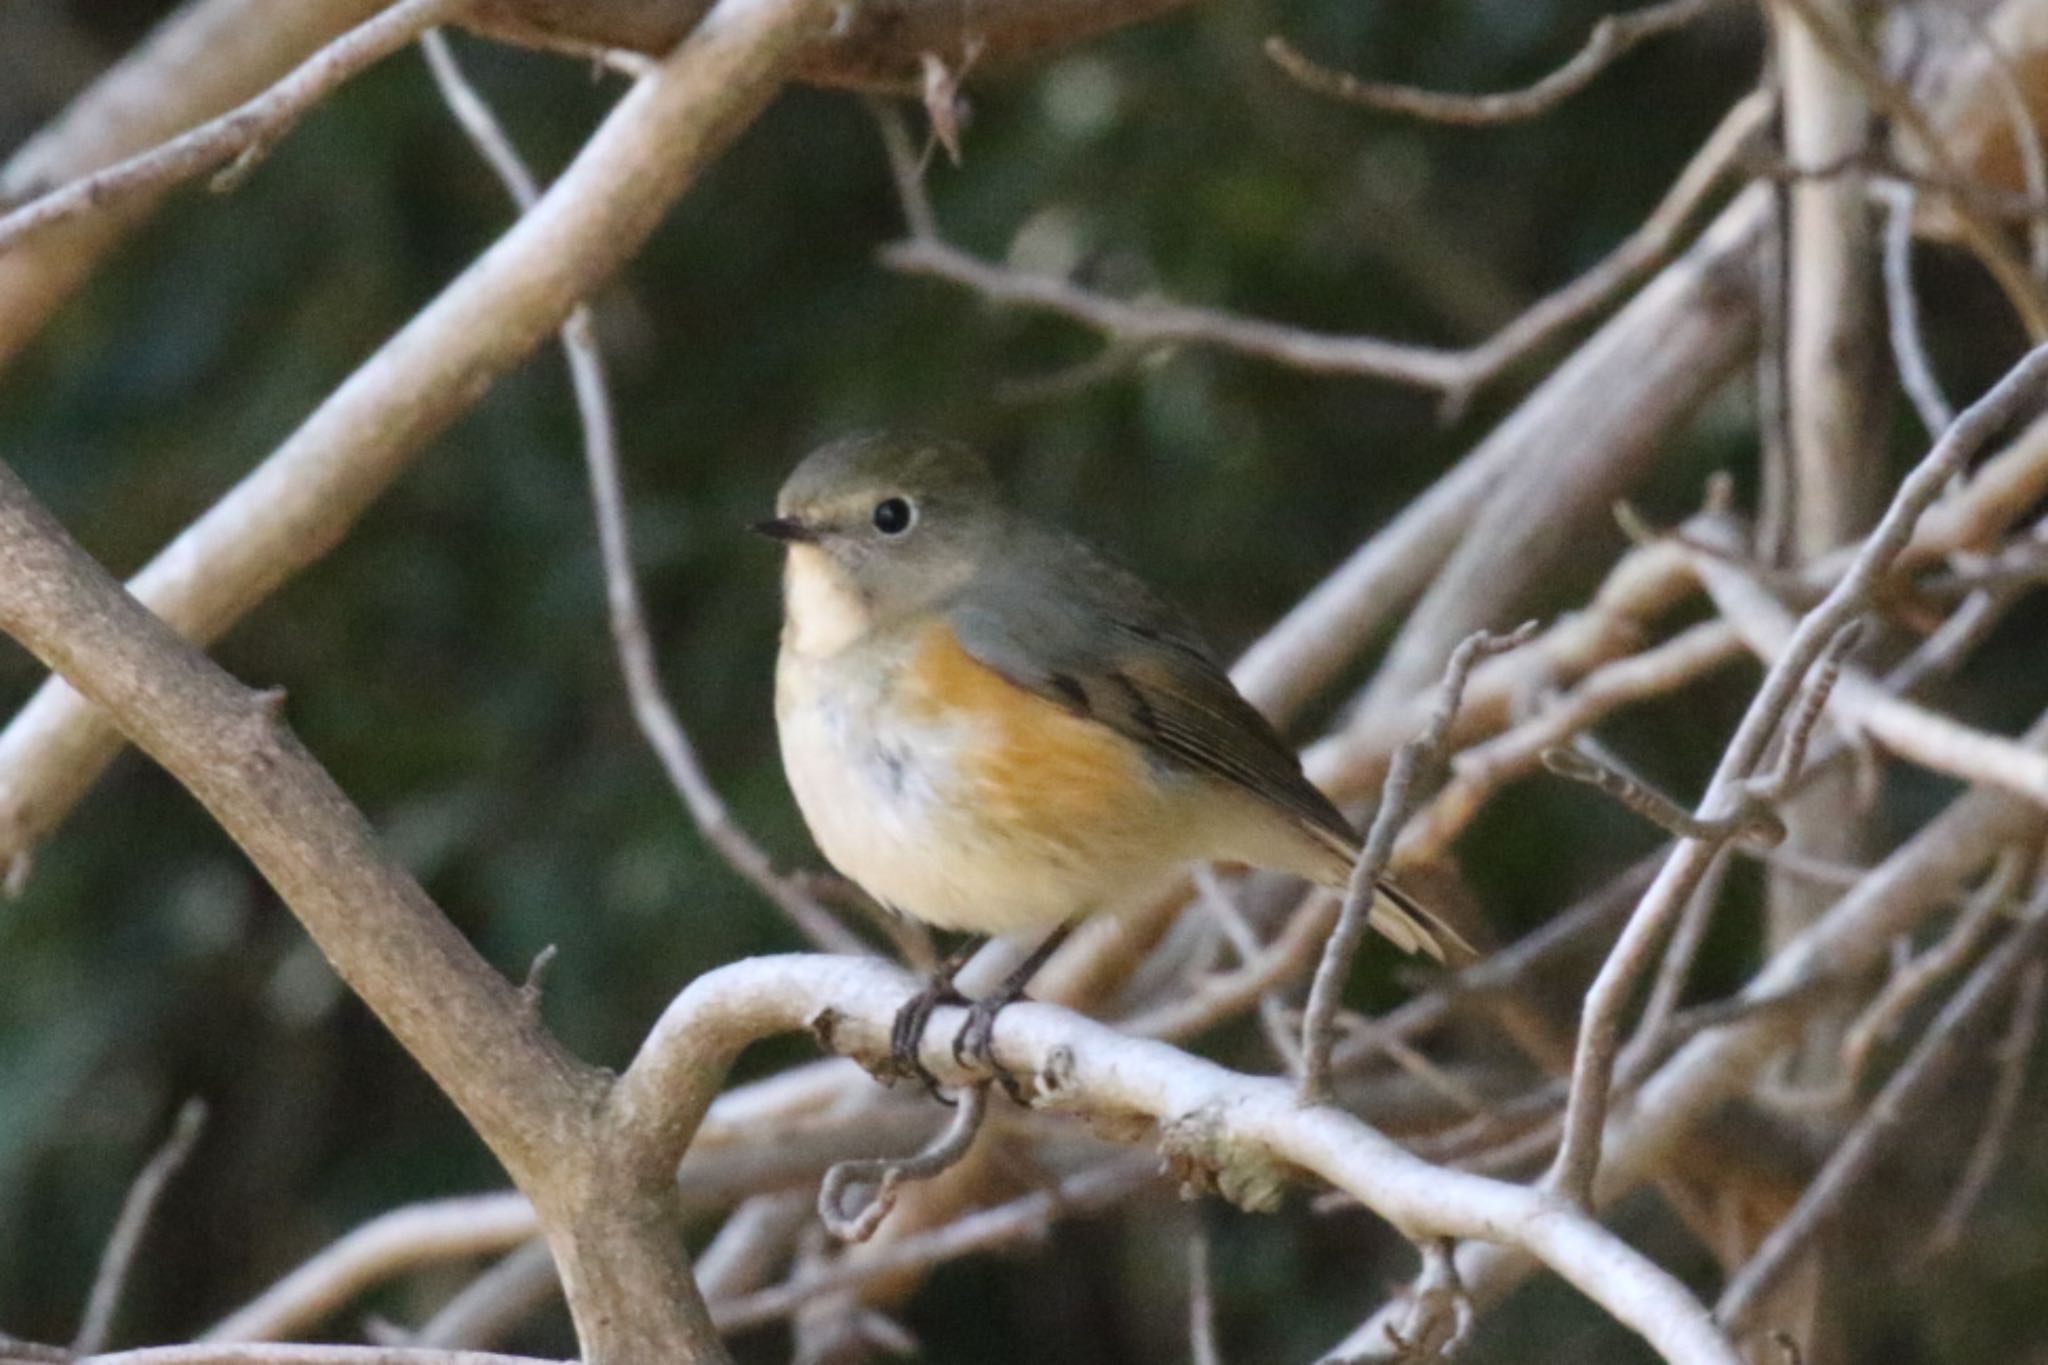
991	819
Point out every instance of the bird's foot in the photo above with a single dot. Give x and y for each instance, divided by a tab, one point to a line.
906	1034
974	1045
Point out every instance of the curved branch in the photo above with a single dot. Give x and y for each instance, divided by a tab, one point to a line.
444	1229
1612	39
1456	374
1245	1132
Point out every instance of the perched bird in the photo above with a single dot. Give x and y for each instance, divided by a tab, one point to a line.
991	727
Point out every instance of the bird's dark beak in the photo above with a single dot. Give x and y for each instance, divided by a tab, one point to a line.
787	529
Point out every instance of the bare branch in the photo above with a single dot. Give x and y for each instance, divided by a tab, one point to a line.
1905	728
209	55
243	136
304	498
1915	979
1612	38
1722	1063
1915	1082
1588	436
1578	1157
657	719
1168	324
876	46
1326	995
1020	1221
906	168
96	1327
1752	820
1134	326
1897	103
1202	1347
420	1234
1234	1127
2014	1054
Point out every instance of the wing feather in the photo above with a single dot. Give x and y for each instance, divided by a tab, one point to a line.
1080	631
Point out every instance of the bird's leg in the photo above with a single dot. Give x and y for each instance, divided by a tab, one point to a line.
974	1043
906	1035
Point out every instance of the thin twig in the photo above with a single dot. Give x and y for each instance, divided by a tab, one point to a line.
906	168
1202	1347
1612	38
2014	1052
1020	1221
96	1326
1139	325
1902	308
885	1175
242	136
1578	1157
1326	995
1479	772
1981	917
490	1306
657	720
1668	987
1751	820
1911	1086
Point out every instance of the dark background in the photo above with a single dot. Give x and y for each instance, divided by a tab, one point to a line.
450	661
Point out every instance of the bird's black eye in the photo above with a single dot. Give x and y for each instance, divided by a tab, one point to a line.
893	516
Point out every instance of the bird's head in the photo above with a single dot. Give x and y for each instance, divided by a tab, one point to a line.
881	527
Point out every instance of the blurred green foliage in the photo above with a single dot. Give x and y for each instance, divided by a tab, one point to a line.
450	661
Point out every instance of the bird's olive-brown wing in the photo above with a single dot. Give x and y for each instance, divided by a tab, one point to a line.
1077	629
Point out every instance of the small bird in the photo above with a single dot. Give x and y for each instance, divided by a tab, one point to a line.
990	727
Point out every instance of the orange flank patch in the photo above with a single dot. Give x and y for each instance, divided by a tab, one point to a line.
1040	771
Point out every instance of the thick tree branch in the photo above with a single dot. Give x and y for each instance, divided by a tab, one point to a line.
1675	341
300	502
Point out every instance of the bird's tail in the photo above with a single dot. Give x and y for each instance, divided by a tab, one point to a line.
1401	919
1409	926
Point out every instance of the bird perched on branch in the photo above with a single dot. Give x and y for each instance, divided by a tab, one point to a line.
991	727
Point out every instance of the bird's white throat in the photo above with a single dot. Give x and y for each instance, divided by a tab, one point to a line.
824	614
